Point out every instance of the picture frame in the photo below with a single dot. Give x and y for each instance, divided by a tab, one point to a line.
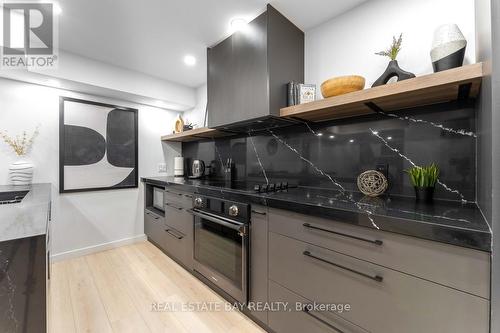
306	93
98	146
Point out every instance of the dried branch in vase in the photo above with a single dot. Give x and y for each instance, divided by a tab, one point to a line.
393	50
20	143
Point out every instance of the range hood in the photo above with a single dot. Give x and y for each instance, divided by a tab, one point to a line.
248	73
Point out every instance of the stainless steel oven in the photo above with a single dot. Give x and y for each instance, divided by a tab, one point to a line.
221	244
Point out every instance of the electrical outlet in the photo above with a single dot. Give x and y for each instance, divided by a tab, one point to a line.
162	167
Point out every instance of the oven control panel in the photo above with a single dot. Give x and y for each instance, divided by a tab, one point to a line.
218	206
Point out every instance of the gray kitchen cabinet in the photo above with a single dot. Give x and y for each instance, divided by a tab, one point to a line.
179	226
154	227
382	300
178	218
299	321
179	246
457	267
249	70
178	198
258	293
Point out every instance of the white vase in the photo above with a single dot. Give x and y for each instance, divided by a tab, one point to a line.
448	48
21	172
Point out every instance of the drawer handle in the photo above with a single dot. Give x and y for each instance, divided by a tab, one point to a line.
188	196
169	231
173	206
375	278
152	215
324	322
376	241
260	213
179	194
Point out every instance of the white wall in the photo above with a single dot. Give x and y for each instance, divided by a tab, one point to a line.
346	44
82	219
196	116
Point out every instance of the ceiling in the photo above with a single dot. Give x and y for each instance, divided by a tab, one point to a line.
153	36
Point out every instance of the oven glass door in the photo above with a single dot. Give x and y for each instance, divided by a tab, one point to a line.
220	248
220	253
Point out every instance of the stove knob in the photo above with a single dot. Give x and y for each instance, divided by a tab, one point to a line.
198	202
233	210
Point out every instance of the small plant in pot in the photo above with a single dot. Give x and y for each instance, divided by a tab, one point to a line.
393	73
424	180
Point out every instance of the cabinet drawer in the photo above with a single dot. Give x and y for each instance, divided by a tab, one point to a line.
179	218
258	259
154	226
179	198
461	268
179	245
297	321
381	299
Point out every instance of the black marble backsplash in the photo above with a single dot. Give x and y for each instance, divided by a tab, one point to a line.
333	154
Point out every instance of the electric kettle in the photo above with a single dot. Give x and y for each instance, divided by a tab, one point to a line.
197	169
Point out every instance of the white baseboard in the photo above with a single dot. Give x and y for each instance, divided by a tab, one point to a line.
97	248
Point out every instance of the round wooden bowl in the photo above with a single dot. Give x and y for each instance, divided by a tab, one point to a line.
342	85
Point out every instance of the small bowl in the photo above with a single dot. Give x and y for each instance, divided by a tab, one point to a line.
342	85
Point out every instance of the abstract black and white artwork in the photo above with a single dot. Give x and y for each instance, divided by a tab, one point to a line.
98	146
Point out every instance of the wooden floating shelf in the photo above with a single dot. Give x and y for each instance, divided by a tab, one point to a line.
446	86
194	135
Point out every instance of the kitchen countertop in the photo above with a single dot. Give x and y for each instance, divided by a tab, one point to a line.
443	221
27	218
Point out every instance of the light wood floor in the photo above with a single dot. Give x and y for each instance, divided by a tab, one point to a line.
114	291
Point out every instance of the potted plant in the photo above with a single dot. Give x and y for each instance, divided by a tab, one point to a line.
424	180
21	171
393	71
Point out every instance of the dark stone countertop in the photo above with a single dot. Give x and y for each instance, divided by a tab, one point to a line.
27	218
443	221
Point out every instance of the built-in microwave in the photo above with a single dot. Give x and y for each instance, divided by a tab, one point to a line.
158	200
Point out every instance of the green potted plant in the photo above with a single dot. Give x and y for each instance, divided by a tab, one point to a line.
424	180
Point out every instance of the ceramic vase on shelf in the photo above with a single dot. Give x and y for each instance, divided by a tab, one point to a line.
21	172
448	48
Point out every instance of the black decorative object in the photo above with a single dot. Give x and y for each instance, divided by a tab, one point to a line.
424	194
448	48
98	146
291	94
393	72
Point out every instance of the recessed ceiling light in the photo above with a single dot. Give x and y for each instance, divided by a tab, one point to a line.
189	60
57	9
237	24
389	138
332	136
320	134
375	132
351	141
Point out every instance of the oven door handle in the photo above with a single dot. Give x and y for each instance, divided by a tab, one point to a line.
240	227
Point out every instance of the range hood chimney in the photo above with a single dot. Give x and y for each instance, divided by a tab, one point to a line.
248	73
